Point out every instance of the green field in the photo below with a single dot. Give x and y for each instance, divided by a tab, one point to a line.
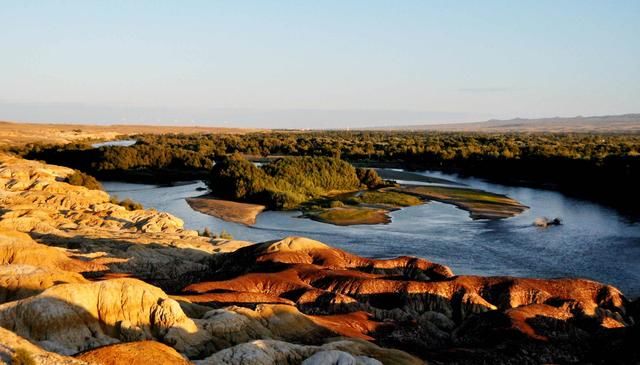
392	198
480	204
350	216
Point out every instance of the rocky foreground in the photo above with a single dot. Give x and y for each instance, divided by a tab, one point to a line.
84	281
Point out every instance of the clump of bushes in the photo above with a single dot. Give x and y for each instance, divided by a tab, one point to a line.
336	204
369	178
225	235
79	178
284	183
206	232
129	204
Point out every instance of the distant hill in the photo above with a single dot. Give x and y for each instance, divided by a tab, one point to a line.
602	124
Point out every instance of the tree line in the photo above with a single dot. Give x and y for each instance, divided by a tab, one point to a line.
597	166
285	183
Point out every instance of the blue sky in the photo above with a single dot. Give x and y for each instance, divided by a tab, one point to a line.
311	64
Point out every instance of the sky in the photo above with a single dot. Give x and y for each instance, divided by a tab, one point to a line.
316	64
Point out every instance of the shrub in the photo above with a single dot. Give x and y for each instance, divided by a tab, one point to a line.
206	233
79	178
129	204
225	235
336	204
389	198
369	177
282	184
237	179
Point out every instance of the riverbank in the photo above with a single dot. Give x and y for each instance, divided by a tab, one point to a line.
229	211
95	279
371	207
586	245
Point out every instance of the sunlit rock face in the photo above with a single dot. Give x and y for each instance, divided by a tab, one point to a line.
262	352
17	350
84	225
22	281
134	353
415	304
83	280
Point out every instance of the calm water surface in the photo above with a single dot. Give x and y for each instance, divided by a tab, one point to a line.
121	142
594	241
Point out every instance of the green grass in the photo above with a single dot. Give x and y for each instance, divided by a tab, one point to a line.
480	204
349	216
463	194
388	198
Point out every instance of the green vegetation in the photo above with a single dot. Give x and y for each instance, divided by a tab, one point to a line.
129	204
369	177
335	204
350	216
474	195
79	178
360	207
391	198
206	232
225	235
479	203
604	167
283	183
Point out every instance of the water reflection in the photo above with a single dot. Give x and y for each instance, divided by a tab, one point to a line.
594	241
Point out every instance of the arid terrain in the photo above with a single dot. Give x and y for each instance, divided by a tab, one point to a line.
87	281
320	183
14	133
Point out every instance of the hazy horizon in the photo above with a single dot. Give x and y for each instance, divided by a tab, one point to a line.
317	65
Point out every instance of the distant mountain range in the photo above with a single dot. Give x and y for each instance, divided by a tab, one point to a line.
602	124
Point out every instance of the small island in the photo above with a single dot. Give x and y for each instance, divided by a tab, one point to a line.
230	211
329	190
479	203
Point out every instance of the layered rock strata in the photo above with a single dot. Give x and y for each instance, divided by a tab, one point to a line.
84	281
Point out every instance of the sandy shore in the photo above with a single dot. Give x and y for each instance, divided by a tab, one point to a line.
243	213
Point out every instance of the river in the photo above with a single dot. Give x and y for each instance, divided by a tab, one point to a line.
594	241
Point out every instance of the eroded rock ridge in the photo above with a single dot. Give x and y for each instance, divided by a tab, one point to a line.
84	281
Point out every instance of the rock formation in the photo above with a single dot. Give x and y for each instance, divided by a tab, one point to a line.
264	352
17	350
83	280
151	244
134	353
